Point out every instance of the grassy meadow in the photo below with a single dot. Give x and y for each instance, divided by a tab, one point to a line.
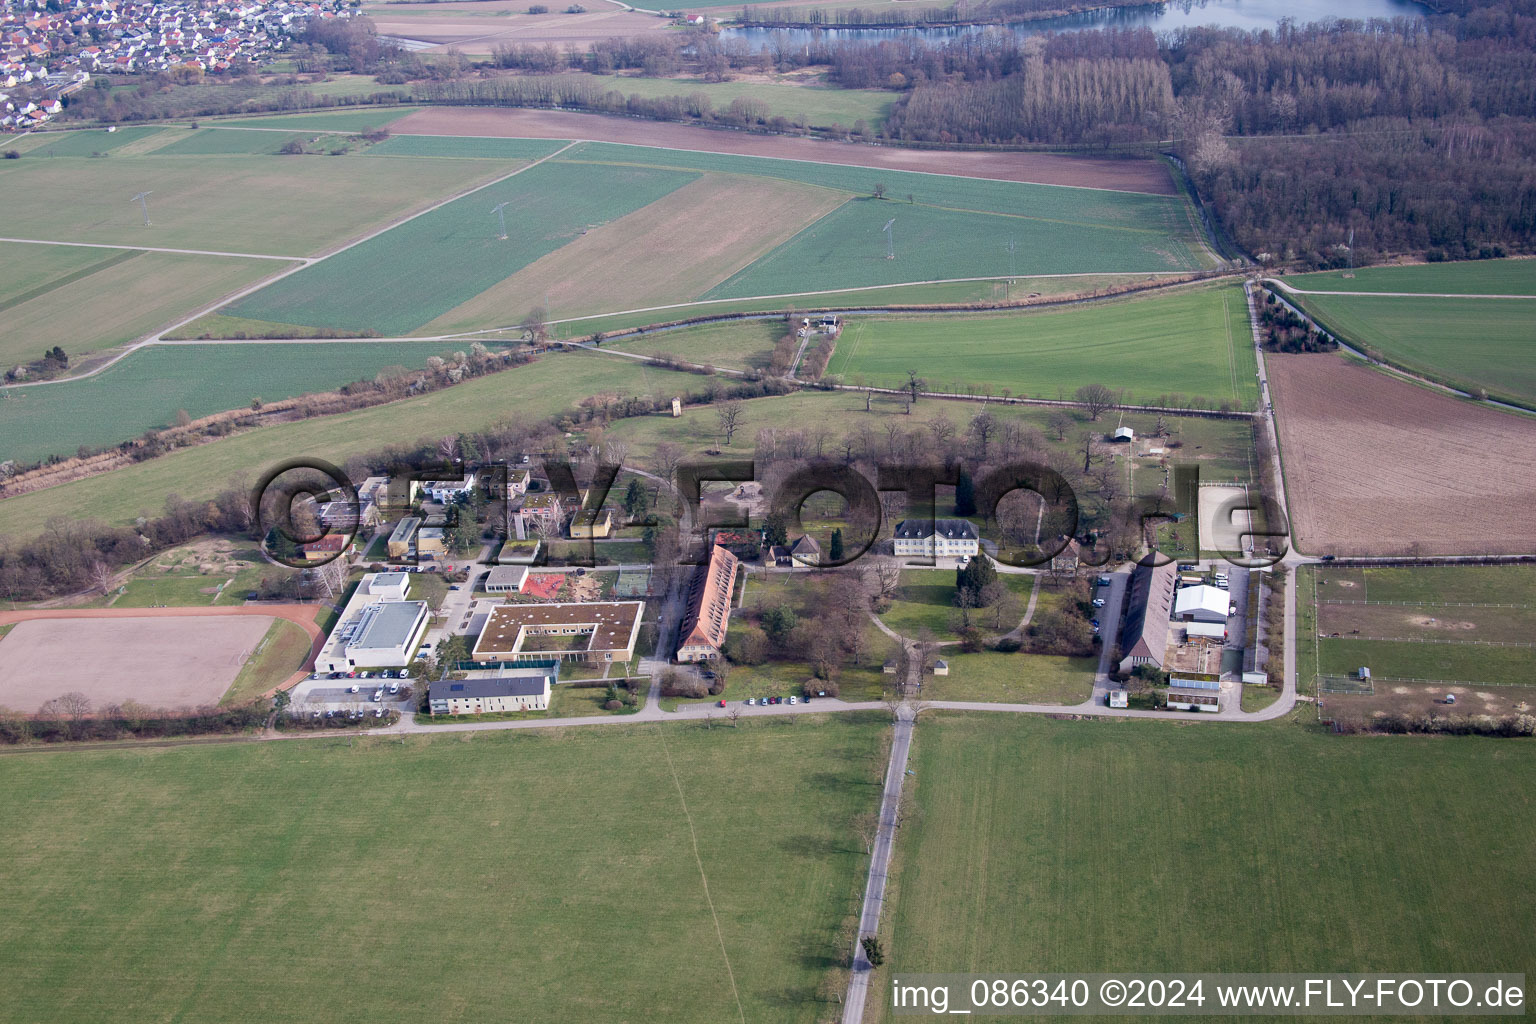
602	874
121	298
146	389
1467	343
1039	846
1475	277
1193	342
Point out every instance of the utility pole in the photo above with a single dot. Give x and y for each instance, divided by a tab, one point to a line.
143	200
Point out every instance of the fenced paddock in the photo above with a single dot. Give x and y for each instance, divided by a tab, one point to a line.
159	661
633	583
1343	684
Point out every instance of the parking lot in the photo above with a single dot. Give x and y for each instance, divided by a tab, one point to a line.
336	694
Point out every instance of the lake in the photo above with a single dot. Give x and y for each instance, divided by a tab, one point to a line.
1165	17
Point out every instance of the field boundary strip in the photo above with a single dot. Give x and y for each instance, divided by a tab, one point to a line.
693	836
1431	604
1434	640
151	248
822	163
70	278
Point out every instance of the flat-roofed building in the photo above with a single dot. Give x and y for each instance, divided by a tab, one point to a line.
592	523
402	538
589	631
506	579
709	607
444	492
377	628
1188	694
431	542
512	690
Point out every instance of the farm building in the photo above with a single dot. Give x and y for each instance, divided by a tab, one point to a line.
1123	434
1189	694
1202	604
1205	630
591	524
377	628
514	690
1144	638
709	607
506	579
595	631
943	538
402	538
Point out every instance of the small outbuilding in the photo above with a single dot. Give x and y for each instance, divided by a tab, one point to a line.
1123	434
941	667
1119	698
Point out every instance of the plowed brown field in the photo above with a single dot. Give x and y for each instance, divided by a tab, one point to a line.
1377	466
1041	168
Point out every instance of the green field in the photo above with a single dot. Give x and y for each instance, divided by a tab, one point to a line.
1039	846
280	654
1448	662
225	142
536	390
605	873
925	602
85	143
268	205
121	297
1467	343
1193	342
348	121
1477	277
403	278
1013	678
146	389
741	344
813	105
1486	584
847	249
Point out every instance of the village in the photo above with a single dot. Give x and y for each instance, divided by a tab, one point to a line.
50	50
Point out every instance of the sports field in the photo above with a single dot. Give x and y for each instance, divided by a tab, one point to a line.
161	662
1039	846
123	295
597	874
1465	342
1455	624
269	205
146	389
1194	342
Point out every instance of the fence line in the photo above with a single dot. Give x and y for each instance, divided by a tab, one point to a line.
1431	640
1433	604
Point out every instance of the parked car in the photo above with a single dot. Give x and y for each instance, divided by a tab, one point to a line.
1098	602
378	713
1102	581
719	703
751	701
1232	610
792	699
378	695
1329	558
394	687
352	688
1095	623
709	675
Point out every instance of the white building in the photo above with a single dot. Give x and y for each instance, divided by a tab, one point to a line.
1201	604
941	538
1187	694
378	628
506	579
444	492
514	690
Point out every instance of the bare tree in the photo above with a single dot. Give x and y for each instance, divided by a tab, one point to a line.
729	418
733	713
915	385
101	577
1086	444
882	576
448	447
983	426
942	430
665	457
617	451
77	706
866	826
1097	398
1060	422
534	324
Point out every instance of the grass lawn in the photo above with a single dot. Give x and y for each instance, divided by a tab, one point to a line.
182	880
1193	342
1482	584
1257	698
619	552
1473	277
741	345
348	121
1313	850
1013	678
280	654
273	205
564	702
1451	662
926	601
148	591
122	300
1466	343
783	678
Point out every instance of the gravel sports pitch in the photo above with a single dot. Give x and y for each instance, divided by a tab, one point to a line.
159	661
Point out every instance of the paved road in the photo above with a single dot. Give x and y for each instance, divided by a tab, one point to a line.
1396	295
879	863
1109	616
